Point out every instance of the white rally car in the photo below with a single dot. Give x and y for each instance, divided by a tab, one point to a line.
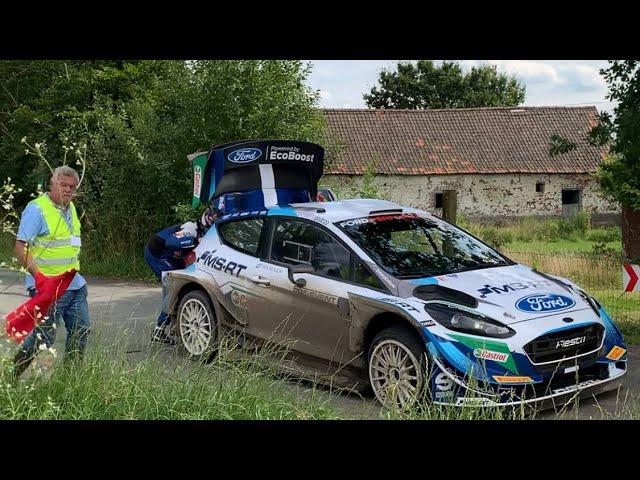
395	299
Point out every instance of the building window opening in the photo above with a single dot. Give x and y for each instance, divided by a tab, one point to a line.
439	200
570	197
540	187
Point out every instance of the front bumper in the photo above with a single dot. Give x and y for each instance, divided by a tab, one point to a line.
556	392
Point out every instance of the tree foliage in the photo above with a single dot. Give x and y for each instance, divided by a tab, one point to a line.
619	174
425	85
139	120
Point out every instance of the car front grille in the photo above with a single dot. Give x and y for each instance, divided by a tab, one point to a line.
547	351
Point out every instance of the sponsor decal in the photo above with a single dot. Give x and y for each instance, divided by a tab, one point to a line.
221	264
473	402
353	223
573	388
443	382
270	268
243	214
491	355
197	180
289	153
323	297
428	323
511	287
512	379
540	303
444	396
488	350
381	273
244	155
616	353
450	276
400	303
571	342
239	299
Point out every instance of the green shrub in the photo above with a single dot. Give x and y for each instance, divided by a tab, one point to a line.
608	234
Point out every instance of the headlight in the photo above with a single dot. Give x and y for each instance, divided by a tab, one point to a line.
467	322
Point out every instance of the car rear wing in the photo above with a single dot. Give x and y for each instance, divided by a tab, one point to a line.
256	174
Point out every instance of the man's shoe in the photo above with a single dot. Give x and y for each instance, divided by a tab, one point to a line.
159	336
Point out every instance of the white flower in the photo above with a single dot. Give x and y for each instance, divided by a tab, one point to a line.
24	140
42	346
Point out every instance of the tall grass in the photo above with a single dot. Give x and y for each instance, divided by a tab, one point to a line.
570	232
109	385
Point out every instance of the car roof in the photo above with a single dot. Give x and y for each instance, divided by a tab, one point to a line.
340	210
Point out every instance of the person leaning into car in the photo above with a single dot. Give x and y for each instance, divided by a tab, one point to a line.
165	252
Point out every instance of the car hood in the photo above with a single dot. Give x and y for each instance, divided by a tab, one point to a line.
511	294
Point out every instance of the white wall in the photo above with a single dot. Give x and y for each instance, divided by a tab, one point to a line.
508	195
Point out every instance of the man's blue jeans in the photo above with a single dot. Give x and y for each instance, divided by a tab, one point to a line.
73	309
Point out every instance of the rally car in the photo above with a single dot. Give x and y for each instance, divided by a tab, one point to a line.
387	296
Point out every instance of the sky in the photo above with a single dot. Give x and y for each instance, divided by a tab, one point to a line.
548	82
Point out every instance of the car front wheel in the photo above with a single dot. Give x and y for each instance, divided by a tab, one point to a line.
397	365
197	325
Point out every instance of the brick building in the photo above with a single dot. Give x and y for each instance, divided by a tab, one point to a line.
496	159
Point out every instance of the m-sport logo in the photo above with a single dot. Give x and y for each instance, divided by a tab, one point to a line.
541	303
244	155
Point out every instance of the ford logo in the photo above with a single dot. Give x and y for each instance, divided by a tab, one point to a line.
540	303
244	155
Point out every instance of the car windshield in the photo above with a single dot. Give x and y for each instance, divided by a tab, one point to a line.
410	246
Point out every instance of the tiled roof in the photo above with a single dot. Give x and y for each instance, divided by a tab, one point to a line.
469	140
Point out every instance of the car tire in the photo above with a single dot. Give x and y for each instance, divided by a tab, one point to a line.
397	363
197	326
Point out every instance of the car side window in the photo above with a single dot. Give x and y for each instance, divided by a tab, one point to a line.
301	243
362	276
242	235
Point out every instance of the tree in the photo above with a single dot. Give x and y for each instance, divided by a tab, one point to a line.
619	174
424	85
139	120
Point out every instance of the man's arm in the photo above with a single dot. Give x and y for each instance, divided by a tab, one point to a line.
24	257
31	225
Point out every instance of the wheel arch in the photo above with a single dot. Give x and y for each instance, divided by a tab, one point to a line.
370	316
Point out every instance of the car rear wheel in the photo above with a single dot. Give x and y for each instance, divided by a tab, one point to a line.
197	325
397	365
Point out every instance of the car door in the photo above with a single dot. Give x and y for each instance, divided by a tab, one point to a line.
319	320
243	292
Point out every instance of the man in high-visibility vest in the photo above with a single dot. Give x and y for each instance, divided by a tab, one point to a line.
48	244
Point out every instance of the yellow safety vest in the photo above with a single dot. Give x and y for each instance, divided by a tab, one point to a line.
58	251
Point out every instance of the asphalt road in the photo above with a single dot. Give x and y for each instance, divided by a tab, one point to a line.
128	310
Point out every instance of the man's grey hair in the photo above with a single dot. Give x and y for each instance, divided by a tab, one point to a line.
64	171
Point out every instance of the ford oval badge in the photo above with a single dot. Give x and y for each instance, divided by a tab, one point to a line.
244	155
541	303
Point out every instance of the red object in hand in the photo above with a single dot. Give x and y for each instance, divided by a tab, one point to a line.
21	321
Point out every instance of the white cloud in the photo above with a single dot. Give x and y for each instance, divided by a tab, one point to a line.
548	82
528	71
326	95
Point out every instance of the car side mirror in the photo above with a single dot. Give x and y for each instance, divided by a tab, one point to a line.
300	282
